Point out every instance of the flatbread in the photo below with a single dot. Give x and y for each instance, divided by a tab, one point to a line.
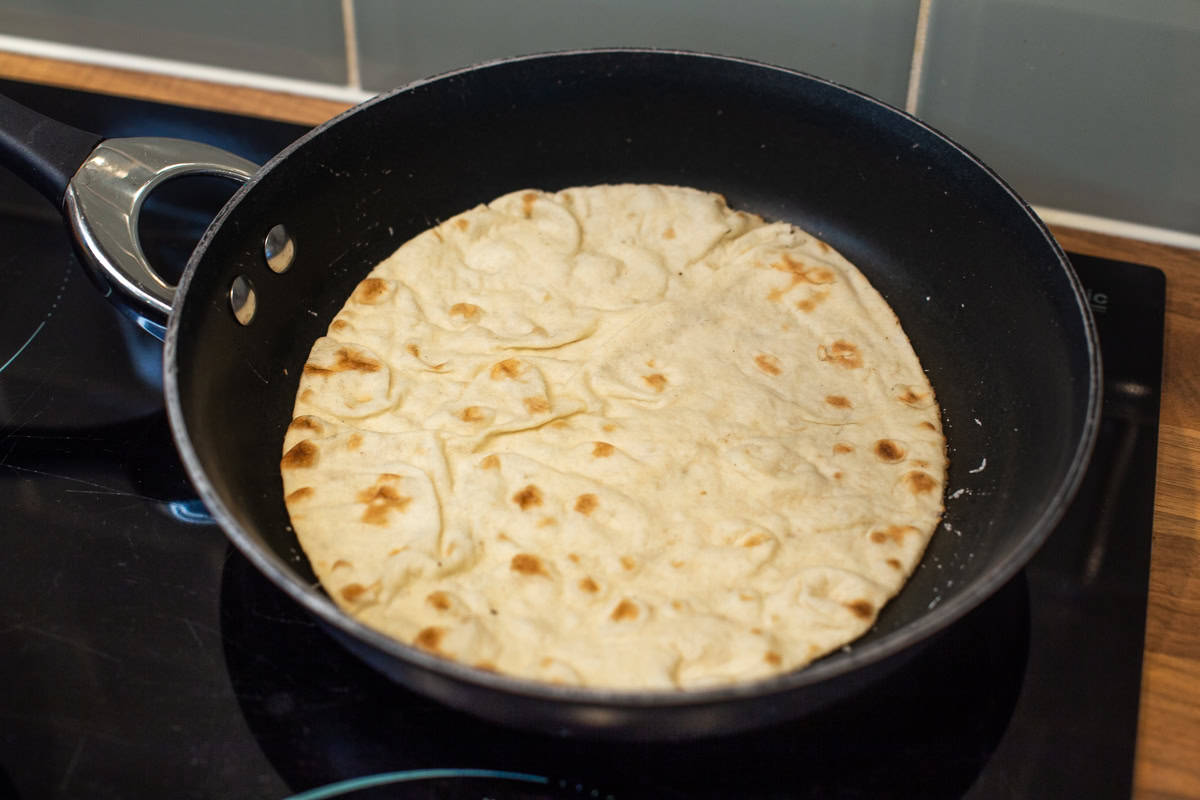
616	436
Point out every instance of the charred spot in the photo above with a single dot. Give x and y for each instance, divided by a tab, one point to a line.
527	564
586	503
919	482
536	405
894	563
657	381
370	291
528	497
527	201
838	401
303	493
381	500
352	591
508	368
303	455
602	450
889	451
768	364
588	585
307	423
773	658
893	533
927	425
439	600
465	310
345	360
625	610
841	353
339	325
912	398
863	609
430	638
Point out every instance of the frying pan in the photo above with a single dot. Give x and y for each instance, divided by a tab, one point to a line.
987	297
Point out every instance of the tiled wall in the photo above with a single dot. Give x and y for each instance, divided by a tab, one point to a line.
1091	106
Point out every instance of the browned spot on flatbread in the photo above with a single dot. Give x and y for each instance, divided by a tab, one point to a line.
303	455
354	441
625	610
486	666
894	533
381	499
838	401
608	427
602	450
669	233
306	423
527	564
889	451
586	503
528	497
413	350
339	325
490	462
919	482
508	368
812	301
773	658
894	563
927	425
462	224
842	447
352	591
430	638
345	360
837	476
657	381
370	291
306	396
303	493
861	608
546	522
439	600
588	585
911	398
472	414
800	273
527	201
841	353
536	405
767	363
465	310
341	562
573	558
754	540
628	562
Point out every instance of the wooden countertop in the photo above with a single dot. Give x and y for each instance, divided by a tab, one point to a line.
1168	751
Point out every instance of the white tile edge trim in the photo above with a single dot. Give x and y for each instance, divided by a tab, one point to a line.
916	67
182	69
1116	227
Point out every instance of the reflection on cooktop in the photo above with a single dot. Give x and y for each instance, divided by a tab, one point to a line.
320	715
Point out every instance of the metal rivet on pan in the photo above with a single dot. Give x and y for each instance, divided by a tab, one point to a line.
242	300
279	249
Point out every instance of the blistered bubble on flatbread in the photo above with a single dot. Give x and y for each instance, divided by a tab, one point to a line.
615	436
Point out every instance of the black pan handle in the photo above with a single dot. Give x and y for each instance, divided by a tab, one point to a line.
43	152
100	185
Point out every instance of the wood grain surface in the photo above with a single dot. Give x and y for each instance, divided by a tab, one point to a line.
1168	751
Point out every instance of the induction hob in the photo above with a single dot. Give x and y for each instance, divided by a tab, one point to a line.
141	655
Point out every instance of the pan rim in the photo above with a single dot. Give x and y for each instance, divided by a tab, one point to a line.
840	663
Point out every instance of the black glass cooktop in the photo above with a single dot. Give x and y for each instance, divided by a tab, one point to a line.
140	655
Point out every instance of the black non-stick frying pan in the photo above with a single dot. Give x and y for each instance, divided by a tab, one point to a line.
990	303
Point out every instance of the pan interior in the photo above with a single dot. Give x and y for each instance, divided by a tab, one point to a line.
981	290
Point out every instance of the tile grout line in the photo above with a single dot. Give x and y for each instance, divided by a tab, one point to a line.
917	67
350	29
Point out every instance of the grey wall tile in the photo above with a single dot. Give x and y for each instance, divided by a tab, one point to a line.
866	44
293	38
1086	105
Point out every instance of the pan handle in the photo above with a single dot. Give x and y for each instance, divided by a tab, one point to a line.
100	185
104	199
